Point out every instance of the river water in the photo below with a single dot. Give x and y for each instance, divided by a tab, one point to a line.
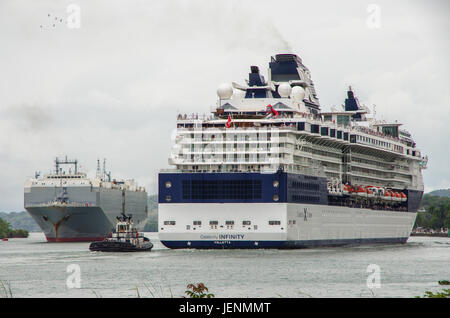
34	268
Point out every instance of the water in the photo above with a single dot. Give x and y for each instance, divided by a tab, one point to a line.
34	268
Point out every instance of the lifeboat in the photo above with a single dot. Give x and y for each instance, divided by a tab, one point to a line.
387	195
371	191
403	197
361	192
394	195
397	196
347	189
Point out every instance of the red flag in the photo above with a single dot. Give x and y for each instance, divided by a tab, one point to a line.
229	121
274	111
271	110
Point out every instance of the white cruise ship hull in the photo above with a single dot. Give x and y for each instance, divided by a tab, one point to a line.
279	225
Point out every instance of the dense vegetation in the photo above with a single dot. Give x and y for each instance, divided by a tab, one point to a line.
6	231
20	220
437	212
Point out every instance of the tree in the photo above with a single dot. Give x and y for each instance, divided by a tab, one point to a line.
437	212
6	231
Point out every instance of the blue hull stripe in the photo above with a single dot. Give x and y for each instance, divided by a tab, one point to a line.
280	244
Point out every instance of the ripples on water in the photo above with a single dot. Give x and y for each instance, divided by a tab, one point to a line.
35	268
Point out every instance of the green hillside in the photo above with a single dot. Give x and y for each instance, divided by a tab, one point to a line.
437	212
441	193
20	220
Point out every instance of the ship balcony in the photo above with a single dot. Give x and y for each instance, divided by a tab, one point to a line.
305	154
228	161
381	169
326	158
231	140
240	130
233	151
377	177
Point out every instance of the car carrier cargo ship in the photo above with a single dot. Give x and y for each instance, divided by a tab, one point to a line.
268	169
71	207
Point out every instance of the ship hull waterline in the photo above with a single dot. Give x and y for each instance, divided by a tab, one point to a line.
72	224
319	226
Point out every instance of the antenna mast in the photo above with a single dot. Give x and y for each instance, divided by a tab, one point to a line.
99	172
65	161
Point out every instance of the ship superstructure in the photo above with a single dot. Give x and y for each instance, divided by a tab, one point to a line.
70	206
267	168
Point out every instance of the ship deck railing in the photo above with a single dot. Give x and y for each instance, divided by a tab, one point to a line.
310	118
61	204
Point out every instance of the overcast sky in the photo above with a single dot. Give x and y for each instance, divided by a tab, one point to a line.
112	87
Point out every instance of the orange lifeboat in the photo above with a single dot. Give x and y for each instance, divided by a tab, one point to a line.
360	191
387	195
371	191
403	196
346	189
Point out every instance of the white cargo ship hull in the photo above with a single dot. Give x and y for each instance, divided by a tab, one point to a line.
279	225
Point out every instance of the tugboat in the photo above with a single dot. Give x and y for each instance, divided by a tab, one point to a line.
125	238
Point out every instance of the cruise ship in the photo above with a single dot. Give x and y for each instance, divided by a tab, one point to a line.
71	207
268	169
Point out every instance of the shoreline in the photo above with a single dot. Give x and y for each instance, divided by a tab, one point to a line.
431	234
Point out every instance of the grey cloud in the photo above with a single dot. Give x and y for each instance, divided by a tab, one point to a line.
28	117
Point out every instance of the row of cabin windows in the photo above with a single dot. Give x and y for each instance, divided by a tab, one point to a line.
343	120
221	189
373	141
380	143
231	137
324	131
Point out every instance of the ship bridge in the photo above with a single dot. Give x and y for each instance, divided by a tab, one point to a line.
288	87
